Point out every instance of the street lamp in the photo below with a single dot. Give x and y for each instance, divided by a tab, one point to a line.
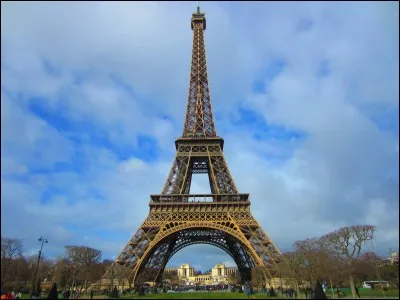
42	240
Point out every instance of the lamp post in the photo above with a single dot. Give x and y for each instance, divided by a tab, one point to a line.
42	240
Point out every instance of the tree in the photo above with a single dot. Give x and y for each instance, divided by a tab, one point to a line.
390	272
234	278
120	273
309	257
365	267
82	259
46	268
63	273
11	249
329	267
172	277
293	267
346	244
258	276
19	273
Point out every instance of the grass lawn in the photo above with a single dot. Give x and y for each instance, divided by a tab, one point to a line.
368	293
378	293
200	295
228	295
393	294
183	295
194	295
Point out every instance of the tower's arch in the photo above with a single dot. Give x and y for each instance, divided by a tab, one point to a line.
175	238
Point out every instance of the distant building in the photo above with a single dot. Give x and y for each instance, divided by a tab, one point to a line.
172	271
185	271
219	275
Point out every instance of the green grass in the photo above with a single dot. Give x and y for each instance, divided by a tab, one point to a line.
230	295
194	295
378	293
368	292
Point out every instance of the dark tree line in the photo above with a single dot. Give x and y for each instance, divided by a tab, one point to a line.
78	268
339	258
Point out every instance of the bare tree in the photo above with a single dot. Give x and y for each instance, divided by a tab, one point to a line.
308	256
120	274
365	266
258	276
234	278
47	268
10	249
346	244
66	273
171	277
294	267
62	274
82	259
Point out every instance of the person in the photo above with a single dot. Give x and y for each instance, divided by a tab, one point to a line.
272	292
19	295
53	294
91	294
319	292
339	293
247	291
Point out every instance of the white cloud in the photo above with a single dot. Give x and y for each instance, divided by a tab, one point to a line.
122	67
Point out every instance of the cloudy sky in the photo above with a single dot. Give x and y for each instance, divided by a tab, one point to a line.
93	95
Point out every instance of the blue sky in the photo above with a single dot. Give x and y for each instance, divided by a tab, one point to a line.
306	96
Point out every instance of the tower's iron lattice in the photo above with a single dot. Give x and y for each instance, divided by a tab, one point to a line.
177	218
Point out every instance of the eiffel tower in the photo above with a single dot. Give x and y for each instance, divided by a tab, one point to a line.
177	218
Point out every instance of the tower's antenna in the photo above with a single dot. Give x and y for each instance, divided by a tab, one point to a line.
198	7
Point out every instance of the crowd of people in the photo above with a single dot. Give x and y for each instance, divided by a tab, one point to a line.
10	295
52	294
316	293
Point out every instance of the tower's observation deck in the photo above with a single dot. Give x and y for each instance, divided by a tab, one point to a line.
198	17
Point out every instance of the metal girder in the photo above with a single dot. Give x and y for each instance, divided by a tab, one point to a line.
177	218
158	257
244	244
199	120
192	159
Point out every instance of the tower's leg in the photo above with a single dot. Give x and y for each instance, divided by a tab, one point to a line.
178	176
